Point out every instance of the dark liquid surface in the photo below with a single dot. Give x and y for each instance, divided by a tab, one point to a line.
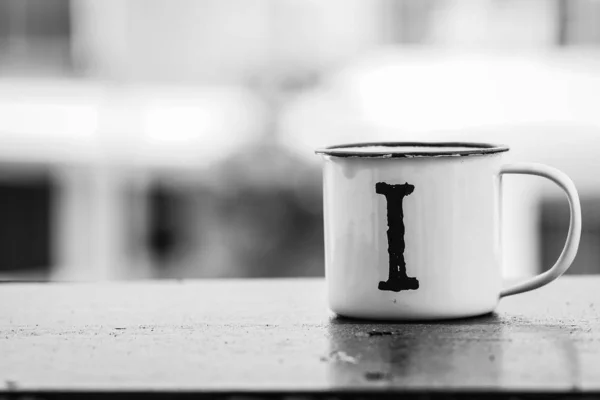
406	149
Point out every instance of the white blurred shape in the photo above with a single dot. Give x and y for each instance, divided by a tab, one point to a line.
199	127
48	121
403	95
155	126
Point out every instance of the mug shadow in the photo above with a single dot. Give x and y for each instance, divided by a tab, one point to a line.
412	353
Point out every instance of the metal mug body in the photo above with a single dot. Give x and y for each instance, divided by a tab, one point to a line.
413	238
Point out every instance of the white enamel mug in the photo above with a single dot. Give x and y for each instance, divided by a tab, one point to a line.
413	230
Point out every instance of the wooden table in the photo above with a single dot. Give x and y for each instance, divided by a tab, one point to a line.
276	337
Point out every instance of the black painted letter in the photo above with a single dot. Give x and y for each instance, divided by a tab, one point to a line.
397	279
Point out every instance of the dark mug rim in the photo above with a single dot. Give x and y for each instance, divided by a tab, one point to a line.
471	149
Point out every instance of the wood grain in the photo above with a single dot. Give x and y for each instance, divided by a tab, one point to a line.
276	335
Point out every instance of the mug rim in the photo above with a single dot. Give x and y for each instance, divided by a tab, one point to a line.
472	149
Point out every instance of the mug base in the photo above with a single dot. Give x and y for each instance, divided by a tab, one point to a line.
433	316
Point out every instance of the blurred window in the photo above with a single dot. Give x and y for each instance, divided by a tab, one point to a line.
413	22
554	224
35	36
579	22
407	22
25	212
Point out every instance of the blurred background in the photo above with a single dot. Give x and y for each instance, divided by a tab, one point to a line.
149	139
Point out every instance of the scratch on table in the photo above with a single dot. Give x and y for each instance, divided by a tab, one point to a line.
380	333
339	356
376	376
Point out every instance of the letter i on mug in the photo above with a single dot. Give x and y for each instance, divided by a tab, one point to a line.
412	230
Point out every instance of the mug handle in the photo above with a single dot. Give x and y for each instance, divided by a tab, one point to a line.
570	250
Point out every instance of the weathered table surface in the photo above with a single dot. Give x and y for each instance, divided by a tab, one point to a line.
276	336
